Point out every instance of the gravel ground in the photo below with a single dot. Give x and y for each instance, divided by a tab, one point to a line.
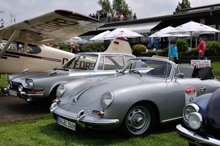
14	108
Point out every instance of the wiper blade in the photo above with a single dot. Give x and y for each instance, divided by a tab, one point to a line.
135	71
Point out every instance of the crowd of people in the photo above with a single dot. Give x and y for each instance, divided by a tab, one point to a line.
107	16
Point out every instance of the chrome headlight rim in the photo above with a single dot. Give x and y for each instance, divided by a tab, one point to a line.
195	115
20	88
104	98
62	88
30	82
191	105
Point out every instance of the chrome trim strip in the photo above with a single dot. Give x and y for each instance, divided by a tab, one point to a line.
197	139
168	120
24	95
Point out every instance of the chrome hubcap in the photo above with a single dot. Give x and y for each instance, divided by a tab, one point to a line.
138	120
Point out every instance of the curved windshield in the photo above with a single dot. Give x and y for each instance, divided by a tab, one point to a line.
82	62
148	67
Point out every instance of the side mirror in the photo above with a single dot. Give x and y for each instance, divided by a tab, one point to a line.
25	70
180	75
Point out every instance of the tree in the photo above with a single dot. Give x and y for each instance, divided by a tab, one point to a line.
184	4
121	6
105	5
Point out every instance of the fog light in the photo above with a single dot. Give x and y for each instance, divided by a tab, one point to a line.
20	88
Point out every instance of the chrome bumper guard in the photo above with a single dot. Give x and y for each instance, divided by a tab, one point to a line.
35	95
195	138
81	119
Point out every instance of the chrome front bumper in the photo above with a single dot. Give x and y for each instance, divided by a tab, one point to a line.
195	138
27	95
84	121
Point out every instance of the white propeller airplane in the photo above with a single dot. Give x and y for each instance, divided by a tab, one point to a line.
25	41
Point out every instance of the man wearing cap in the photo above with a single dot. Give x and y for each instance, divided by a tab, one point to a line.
201	48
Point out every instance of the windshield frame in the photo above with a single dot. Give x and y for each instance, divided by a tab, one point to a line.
128	66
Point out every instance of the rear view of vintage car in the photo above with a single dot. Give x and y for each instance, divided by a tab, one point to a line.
147	91
201	120
36	87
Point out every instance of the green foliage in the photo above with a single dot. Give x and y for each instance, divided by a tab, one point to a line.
213	48
138	49
184	4
164	52
64	47
121	6
95	47
3	81
105	5
182	46
193	52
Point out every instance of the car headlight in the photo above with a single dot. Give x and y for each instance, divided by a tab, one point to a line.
60	90
188	109
106	100
195	120
20	88
30	82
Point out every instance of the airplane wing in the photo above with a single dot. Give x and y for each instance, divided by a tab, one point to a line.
56	26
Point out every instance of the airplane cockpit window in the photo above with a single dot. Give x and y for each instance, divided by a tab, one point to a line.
15	47
32	49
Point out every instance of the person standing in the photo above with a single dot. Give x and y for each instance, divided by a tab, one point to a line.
73	48
201	48
173	52
109	15
134	17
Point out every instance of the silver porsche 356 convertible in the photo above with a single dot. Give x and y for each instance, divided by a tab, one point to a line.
147	91
41	86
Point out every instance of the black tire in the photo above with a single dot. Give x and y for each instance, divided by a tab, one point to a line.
34	102
139	120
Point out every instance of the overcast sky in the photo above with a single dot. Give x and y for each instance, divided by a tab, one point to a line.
26	9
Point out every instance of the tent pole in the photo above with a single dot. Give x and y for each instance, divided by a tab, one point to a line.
191	39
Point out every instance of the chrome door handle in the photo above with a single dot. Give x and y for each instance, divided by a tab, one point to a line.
202	89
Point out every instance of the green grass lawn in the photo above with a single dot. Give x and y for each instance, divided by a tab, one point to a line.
216	69
3	81
44	131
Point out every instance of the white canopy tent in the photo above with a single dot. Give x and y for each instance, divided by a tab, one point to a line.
164	33
193	27
100	36
122	32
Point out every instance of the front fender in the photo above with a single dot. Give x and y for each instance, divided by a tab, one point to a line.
125	98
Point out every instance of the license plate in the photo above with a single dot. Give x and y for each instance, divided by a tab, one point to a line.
12	92
66	123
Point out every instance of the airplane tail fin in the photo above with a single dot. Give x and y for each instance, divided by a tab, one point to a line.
119	45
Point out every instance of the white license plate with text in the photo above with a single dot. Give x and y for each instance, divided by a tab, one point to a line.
66	123
12	92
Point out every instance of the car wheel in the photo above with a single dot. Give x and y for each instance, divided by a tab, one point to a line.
140	120
51	96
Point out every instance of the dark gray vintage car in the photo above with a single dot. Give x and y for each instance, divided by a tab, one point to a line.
201	120
148	90
41	86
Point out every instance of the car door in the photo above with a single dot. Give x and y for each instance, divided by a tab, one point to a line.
180	92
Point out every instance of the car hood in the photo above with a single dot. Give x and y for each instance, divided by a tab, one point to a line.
213	110
46	74
90	90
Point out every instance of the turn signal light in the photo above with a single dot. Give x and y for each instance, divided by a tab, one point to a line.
54	101
178	133
101	113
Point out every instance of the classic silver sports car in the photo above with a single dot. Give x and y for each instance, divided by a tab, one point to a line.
147	91
38	86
